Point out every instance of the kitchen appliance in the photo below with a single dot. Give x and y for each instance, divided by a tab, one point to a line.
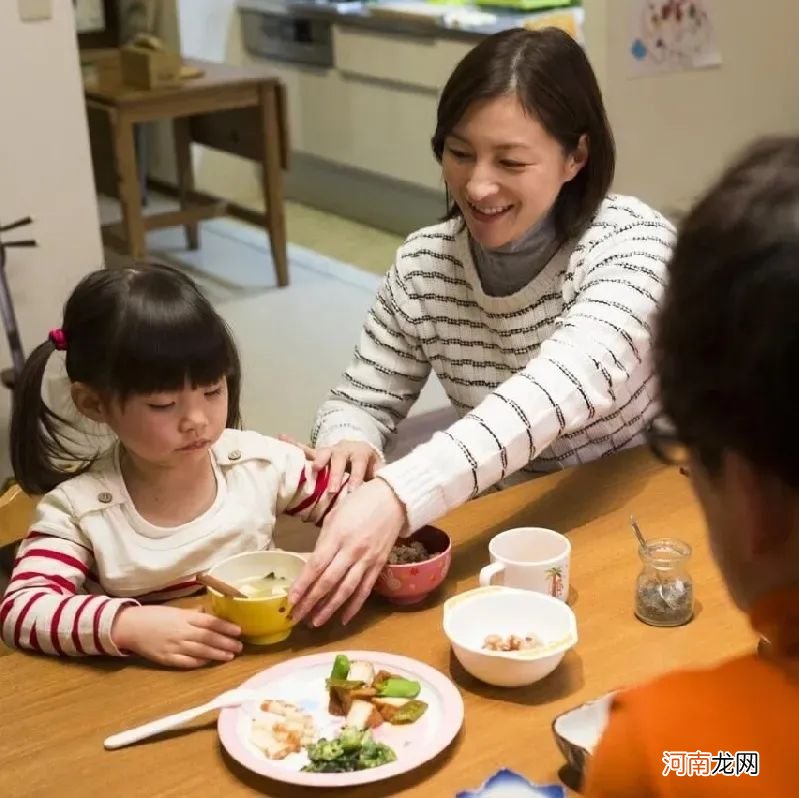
294	31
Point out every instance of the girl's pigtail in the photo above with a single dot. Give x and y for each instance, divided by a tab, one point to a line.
36	443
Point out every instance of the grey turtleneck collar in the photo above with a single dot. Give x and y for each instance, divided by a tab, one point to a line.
507	269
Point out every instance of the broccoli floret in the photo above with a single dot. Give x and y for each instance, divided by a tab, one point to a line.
325	750
351	750
375	754
351	739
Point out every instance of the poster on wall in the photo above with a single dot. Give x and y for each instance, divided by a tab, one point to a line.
672	36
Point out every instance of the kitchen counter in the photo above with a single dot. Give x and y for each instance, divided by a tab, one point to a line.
363	15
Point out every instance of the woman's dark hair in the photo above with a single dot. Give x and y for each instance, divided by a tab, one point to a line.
550	74
727	337
128	331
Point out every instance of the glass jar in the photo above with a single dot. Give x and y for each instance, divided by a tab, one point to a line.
664	590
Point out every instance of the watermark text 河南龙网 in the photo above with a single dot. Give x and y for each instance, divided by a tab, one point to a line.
705	763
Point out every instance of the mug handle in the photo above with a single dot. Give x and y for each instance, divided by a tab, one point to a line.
489	572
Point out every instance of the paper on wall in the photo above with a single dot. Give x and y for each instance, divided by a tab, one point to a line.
672	36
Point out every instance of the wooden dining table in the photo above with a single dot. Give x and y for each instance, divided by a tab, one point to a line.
57	712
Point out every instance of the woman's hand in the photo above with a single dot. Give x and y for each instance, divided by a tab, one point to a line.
359	458
175	637
353	547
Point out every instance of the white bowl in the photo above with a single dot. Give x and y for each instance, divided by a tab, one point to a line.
577	731
470	617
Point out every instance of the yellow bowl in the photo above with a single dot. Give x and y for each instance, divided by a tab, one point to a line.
263	621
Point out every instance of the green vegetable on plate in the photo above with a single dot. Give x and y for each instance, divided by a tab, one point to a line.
351	750
341	667
397	687
409	713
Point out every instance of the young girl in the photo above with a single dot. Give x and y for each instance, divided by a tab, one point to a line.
179	490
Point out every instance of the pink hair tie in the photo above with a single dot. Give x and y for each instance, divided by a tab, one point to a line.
59	339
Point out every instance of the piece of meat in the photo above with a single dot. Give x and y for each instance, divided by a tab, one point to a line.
387	707
343	697
363	715
334	704
364	693
380	677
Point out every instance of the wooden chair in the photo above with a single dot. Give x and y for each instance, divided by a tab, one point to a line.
16	513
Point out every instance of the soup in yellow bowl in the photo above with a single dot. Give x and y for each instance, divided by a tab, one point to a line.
265	578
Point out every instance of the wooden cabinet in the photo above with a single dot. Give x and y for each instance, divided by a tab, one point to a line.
297	80
386	129
409	60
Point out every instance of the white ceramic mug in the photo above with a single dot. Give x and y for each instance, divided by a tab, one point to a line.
531	558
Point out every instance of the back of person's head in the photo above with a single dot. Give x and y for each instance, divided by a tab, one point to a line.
551	76
727	342
135	330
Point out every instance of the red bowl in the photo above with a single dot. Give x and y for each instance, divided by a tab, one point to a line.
411	582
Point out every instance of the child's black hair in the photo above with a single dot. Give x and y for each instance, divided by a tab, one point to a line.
727	338
127	331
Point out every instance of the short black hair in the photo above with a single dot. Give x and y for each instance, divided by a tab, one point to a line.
550	74
727	336
135	330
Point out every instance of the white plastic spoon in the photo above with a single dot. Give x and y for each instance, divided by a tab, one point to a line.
229	698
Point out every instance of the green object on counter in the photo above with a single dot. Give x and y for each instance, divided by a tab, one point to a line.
397	687
341	667
527	5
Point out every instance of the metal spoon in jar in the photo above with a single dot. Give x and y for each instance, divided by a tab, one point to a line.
638	533
670	600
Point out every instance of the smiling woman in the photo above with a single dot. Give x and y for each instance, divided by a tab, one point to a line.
532	301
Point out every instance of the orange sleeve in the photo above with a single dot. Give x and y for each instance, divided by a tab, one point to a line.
618	767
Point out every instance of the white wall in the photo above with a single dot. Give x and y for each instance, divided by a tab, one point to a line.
675	132
45	172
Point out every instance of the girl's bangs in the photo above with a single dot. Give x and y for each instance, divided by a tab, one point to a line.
172	350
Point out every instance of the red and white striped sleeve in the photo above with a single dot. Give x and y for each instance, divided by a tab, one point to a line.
46	607
306	493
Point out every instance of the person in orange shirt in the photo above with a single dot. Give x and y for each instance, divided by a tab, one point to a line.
727	347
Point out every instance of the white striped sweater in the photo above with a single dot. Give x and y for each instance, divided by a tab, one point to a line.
89	553
556	374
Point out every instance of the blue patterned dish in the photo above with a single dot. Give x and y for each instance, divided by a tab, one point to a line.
508	784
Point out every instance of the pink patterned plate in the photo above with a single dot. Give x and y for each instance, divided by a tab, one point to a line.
301	681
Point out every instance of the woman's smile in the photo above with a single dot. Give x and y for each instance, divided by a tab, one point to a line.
488	213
